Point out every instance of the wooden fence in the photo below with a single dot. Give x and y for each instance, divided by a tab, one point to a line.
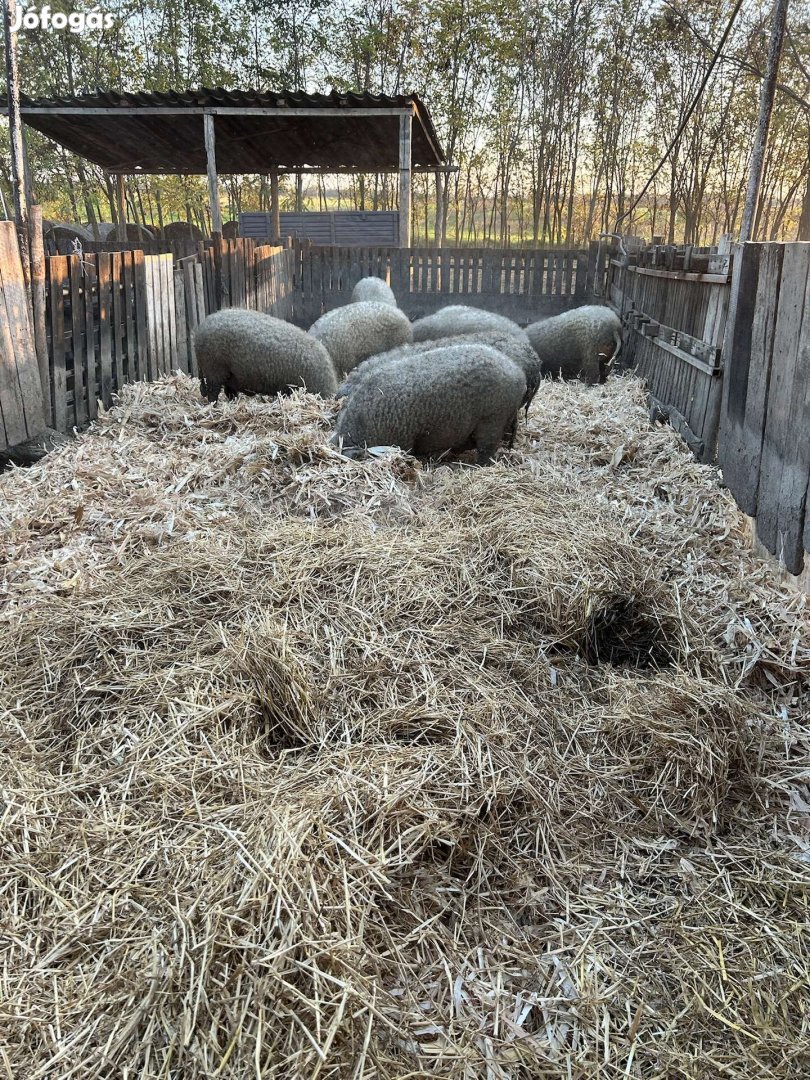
727	359
675	322
21	406
122	316
764	443
523	284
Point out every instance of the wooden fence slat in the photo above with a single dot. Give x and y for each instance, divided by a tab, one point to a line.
90	335
12	393
118	321
105	304
748	353
785	465
77	326
57	282
129	372
182	323
139	300
153	369
171	310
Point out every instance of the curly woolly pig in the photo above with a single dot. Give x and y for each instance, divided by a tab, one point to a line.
373	288
516	346
584	341
352	333
460	319
466	397
247	351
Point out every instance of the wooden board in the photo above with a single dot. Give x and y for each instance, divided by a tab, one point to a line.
105	314
748	354
21	401
785	469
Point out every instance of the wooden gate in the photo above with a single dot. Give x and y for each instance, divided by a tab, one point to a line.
675	323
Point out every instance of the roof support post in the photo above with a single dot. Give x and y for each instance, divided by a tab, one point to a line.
405	133
121	202
437	233
275	212
213	186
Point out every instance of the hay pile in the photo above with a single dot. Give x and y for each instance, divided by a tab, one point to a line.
320	768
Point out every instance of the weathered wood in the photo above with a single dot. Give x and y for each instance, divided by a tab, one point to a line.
16	145
77	325
20	383
105	310
748	352
90	351
659	411
121	206
213	183
118	321
39	305
57	282
785	469
679	275
141	332
405	155
275	210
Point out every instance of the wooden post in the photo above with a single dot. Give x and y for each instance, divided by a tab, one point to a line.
275	212
437	233
405	132
38	306
763	124
213	186
18	186
121	203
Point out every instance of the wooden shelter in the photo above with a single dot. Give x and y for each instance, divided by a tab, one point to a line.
217	131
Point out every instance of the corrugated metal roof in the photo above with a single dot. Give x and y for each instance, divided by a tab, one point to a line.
171	140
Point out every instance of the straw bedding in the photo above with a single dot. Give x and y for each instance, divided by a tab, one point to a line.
321	768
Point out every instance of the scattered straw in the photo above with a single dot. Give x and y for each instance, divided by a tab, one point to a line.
321	768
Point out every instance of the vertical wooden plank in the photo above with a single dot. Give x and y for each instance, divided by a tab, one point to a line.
181	321
118	320
57	281
39	307
786	454
12	396
141	354
90	335
171	320
580	275
151	336
105	315
714	326
165	316
77	325
130	351
755	278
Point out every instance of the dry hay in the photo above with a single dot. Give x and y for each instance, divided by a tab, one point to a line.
314	767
